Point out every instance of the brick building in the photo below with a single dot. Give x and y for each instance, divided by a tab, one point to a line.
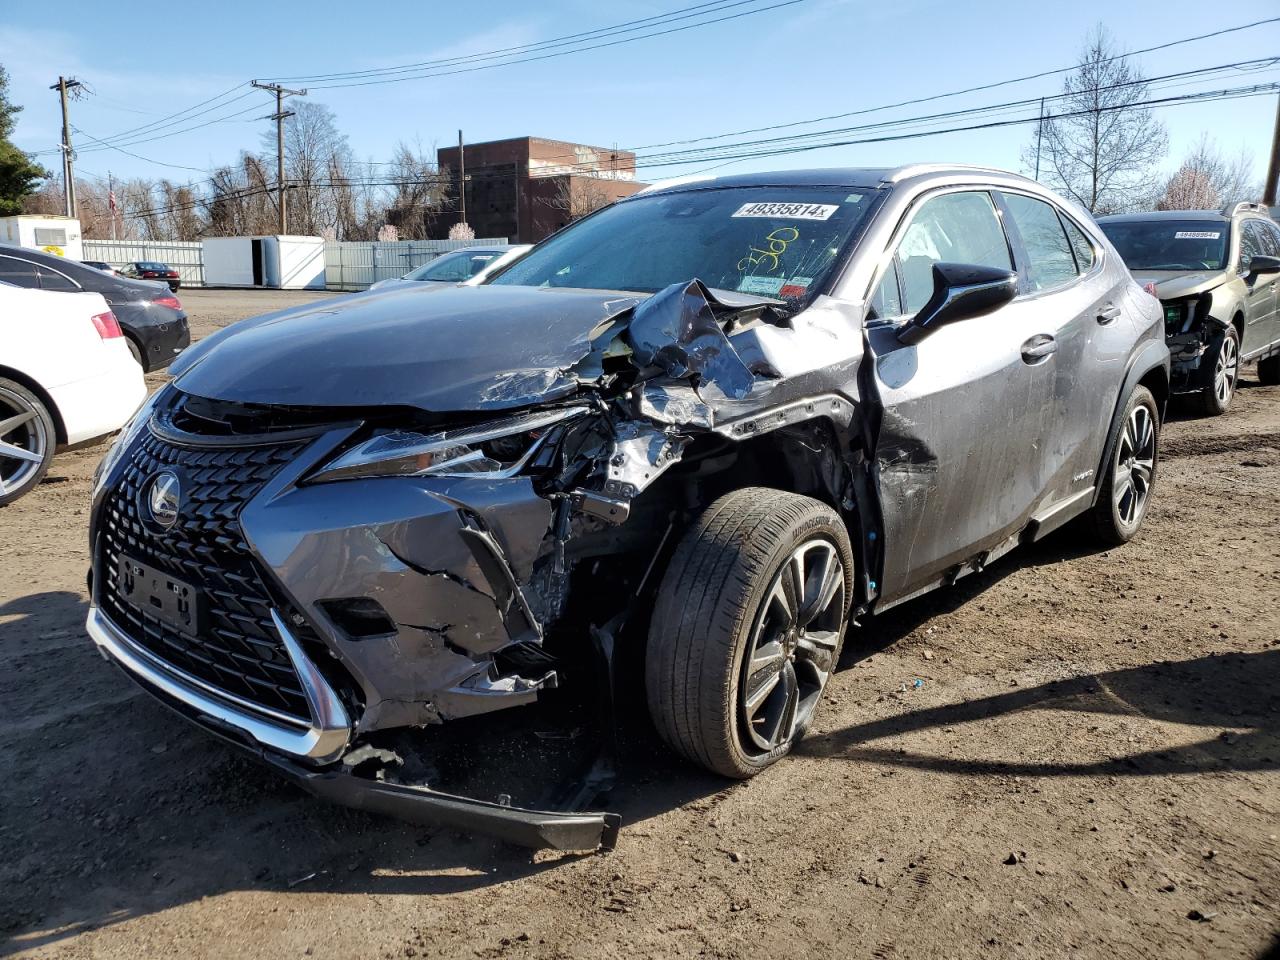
526	188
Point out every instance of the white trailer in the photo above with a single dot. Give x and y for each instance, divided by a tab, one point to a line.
57	235
283	263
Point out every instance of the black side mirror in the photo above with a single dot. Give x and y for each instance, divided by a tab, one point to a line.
1262	264
960	291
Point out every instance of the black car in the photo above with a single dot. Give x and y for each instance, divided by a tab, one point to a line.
152	318
152	270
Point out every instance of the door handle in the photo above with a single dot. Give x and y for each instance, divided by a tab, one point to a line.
1038	347
1108	313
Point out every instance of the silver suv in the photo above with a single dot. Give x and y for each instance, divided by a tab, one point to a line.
681	444
1217	275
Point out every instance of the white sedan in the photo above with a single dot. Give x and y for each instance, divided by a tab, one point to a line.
469	266
66	377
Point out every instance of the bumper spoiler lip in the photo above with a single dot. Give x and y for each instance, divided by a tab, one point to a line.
538	829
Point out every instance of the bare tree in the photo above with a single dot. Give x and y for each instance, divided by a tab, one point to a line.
1100	145
418	193
576	196
1189	189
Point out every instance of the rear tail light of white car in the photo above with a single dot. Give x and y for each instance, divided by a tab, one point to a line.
107	325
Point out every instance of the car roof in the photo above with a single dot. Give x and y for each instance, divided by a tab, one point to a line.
1206	215
864	177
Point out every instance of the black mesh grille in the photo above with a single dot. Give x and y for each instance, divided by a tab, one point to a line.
238	649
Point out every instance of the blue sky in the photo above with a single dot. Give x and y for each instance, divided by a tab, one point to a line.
809	59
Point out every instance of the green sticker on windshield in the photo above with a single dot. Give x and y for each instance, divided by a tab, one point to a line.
767	286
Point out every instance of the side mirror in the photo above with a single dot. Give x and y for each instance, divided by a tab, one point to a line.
1262	264
961	291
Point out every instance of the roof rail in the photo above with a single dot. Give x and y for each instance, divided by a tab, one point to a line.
1232	209
915	169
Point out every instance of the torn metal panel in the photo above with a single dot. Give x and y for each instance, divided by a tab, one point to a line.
641	454
676	330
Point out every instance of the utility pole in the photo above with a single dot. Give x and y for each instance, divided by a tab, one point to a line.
462	183
1039	134
111	202
1273	169
279	117
68	168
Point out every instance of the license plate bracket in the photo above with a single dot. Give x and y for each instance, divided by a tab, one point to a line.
170	600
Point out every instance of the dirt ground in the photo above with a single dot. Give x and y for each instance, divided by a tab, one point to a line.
1088	769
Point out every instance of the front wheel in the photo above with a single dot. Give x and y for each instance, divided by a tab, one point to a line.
1215	397
748	628
27	440
1131	475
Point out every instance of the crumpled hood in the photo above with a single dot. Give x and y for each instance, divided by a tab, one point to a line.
459	348
1170	284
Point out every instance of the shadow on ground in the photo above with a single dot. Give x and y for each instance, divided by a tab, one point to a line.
121	809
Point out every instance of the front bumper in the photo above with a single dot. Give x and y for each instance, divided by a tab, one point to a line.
1189	371
328	736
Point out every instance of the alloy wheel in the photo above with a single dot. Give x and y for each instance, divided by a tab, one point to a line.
1135	465
24	441
1226	370
792	648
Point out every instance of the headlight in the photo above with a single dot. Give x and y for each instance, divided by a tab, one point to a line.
124	438
486	451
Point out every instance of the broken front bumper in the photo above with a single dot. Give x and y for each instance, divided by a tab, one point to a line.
330	730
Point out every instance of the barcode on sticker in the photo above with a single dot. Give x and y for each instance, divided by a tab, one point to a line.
1197	235
788	211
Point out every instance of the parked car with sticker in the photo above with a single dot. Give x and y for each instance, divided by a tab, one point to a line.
683	442
1217	275
66	378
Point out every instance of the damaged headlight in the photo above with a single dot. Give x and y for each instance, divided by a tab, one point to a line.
492	450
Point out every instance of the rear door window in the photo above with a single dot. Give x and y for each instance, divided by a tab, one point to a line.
1050	261
21	273
951	228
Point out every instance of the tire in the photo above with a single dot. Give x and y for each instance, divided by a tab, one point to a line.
730	587
137	352
1214	399
1269	371
1131	475
27	440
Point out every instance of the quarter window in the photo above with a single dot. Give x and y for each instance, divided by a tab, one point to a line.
887	300
954	228
1050	262
1081	245
53	280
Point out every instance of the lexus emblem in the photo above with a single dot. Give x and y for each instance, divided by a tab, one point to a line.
164	498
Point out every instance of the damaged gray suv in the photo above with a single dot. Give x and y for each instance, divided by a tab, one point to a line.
681	444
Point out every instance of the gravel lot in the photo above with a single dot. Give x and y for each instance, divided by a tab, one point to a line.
1088	770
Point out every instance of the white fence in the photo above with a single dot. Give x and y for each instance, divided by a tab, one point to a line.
348	265
354	265
186	258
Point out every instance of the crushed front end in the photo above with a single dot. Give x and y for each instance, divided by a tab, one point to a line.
333	587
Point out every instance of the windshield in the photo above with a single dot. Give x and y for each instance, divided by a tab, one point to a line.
454	267
1169	244
773	241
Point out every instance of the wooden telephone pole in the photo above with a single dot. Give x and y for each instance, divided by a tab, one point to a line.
279	117
68	163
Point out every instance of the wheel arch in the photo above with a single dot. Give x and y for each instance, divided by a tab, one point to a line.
1149	368
60	428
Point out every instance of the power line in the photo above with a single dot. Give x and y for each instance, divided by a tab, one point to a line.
162	163
1208	96
561	53
629	26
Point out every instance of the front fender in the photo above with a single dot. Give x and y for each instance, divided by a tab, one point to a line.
1151	355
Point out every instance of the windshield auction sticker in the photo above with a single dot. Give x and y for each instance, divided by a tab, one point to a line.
788	211
1195	235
